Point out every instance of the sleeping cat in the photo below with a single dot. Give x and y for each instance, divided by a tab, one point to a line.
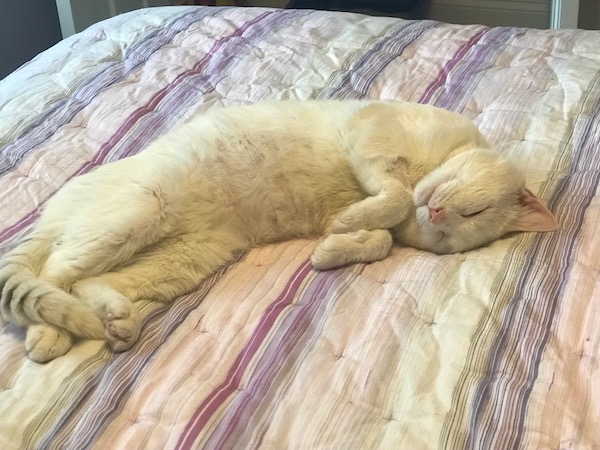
154	225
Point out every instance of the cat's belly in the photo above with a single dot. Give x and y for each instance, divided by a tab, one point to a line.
267	191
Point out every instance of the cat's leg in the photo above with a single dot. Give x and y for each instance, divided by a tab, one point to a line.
105	234
385	210
37	276
337	250
168	269
92	245
45	342
62	270
31	302
390	198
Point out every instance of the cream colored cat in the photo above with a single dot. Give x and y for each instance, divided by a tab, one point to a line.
156	224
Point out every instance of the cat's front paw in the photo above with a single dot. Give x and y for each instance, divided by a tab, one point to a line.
347	222
45	342
372	213
330	253
337	250
123	326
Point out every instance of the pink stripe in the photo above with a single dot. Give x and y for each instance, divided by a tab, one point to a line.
218	396
443	75
296	333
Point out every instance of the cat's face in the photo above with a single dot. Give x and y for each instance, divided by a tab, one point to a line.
473	198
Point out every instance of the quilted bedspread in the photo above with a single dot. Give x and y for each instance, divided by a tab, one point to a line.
497	348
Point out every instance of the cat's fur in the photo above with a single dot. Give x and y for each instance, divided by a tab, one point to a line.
154	225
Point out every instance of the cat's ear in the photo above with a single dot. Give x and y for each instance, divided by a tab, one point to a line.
534	216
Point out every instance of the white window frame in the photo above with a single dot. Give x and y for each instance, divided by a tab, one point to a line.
564	13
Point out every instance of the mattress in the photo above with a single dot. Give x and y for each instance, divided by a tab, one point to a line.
493	348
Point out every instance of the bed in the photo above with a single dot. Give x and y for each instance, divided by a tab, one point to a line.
494	348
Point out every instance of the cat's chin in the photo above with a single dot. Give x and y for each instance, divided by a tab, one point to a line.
412	233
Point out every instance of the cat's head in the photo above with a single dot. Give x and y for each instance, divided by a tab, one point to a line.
473	198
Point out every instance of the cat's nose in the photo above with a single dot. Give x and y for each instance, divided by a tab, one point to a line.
436	214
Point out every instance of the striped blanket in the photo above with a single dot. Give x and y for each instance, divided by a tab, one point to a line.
494	348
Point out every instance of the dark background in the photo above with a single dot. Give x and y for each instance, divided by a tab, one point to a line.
26	28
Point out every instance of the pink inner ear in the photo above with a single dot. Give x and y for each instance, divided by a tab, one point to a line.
534	215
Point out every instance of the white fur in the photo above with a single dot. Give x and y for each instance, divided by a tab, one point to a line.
156	224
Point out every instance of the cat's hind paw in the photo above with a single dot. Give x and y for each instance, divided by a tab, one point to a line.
123	326
121	318
45	342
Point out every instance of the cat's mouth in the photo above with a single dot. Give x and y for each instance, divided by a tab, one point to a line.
422	234
434	234
442	237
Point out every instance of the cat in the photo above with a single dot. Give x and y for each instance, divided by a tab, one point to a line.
359	174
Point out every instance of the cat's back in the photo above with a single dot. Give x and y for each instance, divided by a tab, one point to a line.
317	131
269	139
277	121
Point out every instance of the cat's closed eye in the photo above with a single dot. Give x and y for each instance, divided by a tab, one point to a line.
476	213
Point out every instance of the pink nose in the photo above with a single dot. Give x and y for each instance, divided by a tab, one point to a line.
436	214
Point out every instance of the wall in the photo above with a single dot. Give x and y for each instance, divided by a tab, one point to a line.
589	14
526	13
26	28
77	15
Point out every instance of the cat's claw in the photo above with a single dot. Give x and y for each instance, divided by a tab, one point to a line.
45	343
122	327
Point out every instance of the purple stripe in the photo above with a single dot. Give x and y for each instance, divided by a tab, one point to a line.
483	55
231	382
283	350
195	83
527	322
442	78
358	80
459	75
25	222
167	100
